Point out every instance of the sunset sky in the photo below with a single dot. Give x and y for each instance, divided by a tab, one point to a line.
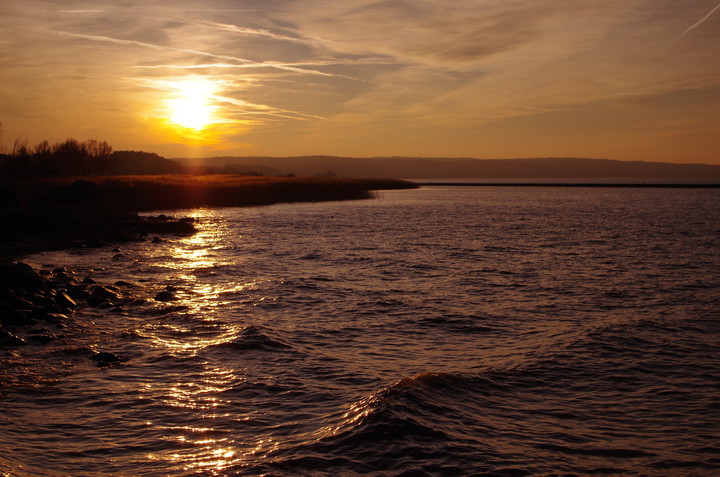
617	79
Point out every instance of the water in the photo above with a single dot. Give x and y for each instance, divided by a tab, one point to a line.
439	331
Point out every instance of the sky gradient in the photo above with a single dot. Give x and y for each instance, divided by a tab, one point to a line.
618	79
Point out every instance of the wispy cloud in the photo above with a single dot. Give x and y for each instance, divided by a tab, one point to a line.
242	61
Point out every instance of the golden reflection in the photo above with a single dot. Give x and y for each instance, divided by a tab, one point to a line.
191	263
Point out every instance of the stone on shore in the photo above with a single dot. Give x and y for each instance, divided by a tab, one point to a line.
165	296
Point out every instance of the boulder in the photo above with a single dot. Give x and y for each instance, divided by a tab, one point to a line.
104	358
104	292
21	276
165	296
64	300
9	339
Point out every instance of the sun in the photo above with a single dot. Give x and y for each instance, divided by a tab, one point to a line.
191	106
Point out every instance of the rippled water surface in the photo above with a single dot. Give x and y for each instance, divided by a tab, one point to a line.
439	331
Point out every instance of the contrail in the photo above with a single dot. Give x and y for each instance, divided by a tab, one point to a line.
688	30
254	32
273	65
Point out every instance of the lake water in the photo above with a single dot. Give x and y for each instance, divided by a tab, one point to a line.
438	331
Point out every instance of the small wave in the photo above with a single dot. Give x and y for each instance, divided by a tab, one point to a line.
457	324
252	339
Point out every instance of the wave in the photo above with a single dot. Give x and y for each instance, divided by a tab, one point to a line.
252	338
600	400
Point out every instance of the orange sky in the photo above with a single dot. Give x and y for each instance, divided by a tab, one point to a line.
618	79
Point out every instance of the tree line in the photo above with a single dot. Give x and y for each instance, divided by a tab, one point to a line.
74	158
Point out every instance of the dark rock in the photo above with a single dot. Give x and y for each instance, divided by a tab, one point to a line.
165	296
9	339
116	250
16	317
157	240
96	301
56	317
89	281
22	303
59	270
6	294
105	305
123	283
64	300
119	257
21	276
42	339
38	299
61	277
41	312
104	292
76	292
105	358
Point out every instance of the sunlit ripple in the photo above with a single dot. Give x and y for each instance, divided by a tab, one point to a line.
191	263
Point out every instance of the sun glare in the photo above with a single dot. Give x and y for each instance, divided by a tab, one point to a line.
191	106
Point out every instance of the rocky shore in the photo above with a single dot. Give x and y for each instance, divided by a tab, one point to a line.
38	307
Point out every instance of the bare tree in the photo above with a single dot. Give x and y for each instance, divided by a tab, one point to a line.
20	147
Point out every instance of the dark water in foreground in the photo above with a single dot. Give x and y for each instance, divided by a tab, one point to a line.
440	331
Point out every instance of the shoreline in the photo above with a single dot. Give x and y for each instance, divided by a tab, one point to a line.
643	185
64	212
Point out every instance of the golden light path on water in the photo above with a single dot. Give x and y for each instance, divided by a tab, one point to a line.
191	261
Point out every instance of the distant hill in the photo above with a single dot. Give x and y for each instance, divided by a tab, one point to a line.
459	168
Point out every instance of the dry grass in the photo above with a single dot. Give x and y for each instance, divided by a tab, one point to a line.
154	192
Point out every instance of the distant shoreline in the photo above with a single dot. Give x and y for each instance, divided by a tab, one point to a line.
643	185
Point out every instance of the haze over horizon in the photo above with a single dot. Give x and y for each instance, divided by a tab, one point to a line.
633	80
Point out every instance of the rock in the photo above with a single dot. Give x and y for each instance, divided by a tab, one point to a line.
16	317
61	277
76	292
157	240
9	339
105	292
64	300
165	296
96	301
21	276
42	339
89	281
105	358
123	283
7	295
56	317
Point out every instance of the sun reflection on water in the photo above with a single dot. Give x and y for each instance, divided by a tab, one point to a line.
191	267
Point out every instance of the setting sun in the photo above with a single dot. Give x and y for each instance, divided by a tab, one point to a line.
191	107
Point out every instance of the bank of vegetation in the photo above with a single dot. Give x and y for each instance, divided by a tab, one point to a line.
75	190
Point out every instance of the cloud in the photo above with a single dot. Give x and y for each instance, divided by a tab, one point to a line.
242	61
395	68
